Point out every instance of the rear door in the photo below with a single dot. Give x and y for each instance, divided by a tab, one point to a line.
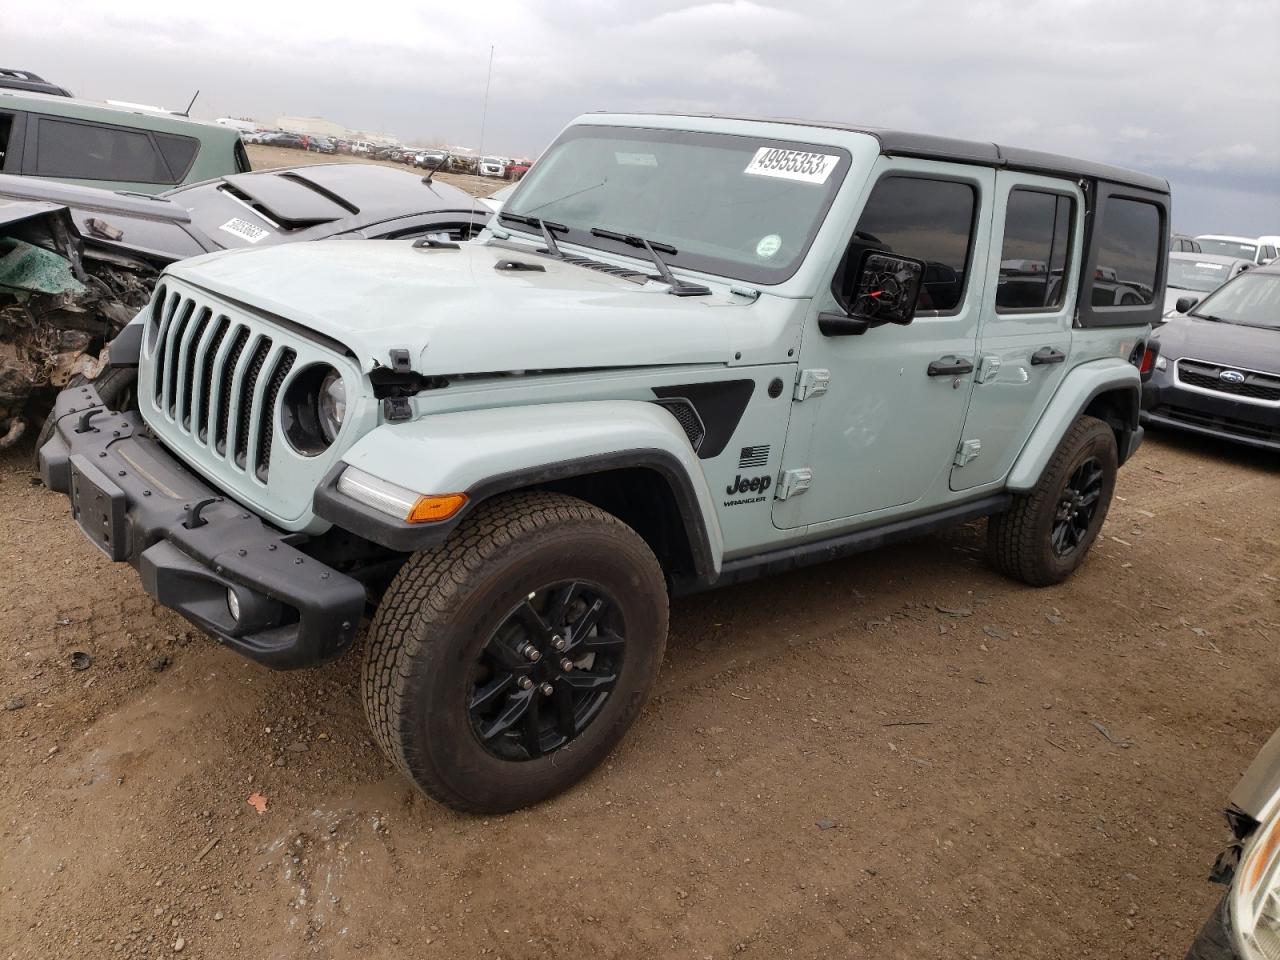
1025	332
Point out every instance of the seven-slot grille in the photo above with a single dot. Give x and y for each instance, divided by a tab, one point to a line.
217	379
1208	376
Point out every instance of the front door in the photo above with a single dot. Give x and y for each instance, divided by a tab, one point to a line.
1026	320
884	433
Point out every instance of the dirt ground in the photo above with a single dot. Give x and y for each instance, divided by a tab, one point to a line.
897	755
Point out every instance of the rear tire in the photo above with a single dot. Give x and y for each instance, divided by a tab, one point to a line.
448	659
1048	531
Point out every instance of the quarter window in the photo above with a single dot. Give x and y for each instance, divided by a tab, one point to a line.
1033	260
179	153
930	220
88	151
1128	248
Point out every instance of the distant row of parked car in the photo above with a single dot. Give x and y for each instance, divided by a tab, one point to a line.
431	159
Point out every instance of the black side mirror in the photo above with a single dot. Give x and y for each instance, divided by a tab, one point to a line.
1185	303
885	291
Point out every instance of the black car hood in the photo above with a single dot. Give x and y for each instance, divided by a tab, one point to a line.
1228	344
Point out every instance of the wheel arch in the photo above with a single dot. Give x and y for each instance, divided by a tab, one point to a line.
1108	389
1117	407
628	458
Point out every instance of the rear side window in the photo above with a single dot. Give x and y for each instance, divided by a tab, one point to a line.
1127	248
179	153
1033	260
6	125
90	151
930	220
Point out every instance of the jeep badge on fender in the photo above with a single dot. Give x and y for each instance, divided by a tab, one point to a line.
515	497
742	485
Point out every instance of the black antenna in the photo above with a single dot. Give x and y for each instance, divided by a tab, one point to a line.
436	169
187	112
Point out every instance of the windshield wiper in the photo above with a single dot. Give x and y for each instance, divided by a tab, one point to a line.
1207	316
679	288
545	226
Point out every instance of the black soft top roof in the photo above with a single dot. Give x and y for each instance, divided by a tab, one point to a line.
898	143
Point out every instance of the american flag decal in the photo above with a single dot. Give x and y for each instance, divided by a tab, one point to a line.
753	457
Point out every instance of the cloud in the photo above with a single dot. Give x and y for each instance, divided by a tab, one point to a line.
743	68
1179	88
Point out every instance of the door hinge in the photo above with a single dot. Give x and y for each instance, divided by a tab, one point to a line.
794	482
988	369
967	452
812	383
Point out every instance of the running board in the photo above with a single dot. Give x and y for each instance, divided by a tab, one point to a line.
858	541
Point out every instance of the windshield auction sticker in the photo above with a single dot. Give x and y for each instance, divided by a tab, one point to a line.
791	165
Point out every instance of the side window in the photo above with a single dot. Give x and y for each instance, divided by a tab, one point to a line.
6	125
1033	260
930	220
1268	253
179	152
1127	250
89	151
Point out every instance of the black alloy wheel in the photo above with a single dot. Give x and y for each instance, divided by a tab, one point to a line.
1047	531
547	670
503	666
1076	507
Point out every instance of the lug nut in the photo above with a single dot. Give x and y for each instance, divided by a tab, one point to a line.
558	642
532	653
546	689
524	683
566	664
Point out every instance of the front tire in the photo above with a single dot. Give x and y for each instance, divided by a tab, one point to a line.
504	666
1048	531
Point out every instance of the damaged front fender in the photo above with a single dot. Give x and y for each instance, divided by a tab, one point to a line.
60	305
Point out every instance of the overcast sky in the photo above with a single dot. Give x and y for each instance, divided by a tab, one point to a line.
1188	89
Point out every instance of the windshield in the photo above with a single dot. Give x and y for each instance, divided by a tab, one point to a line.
1197	275
1229	248
736	206
1252	299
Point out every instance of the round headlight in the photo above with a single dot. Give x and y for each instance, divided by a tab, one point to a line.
333	405
314	406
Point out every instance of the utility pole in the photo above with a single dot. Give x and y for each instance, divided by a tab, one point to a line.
484	113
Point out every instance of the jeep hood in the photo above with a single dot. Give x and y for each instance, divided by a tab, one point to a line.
457	313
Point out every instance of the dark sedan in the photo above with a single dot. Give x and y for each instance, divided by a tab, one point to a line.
263	208
1219	366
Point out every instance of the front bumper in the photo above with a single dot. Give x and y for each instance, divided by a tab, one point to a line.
1166	402
190	545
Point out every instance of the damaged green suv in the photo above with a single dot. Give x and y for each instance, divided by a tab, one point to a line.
690	351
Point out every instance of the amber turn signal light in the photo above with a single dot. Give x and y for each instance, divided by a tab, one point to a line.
432	508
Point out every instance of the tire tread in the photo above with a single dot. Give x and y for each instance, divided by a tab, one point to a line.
1013	543
424	593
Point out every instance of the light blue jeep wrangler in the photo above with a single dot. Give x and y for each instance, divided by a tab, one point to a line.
690	351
